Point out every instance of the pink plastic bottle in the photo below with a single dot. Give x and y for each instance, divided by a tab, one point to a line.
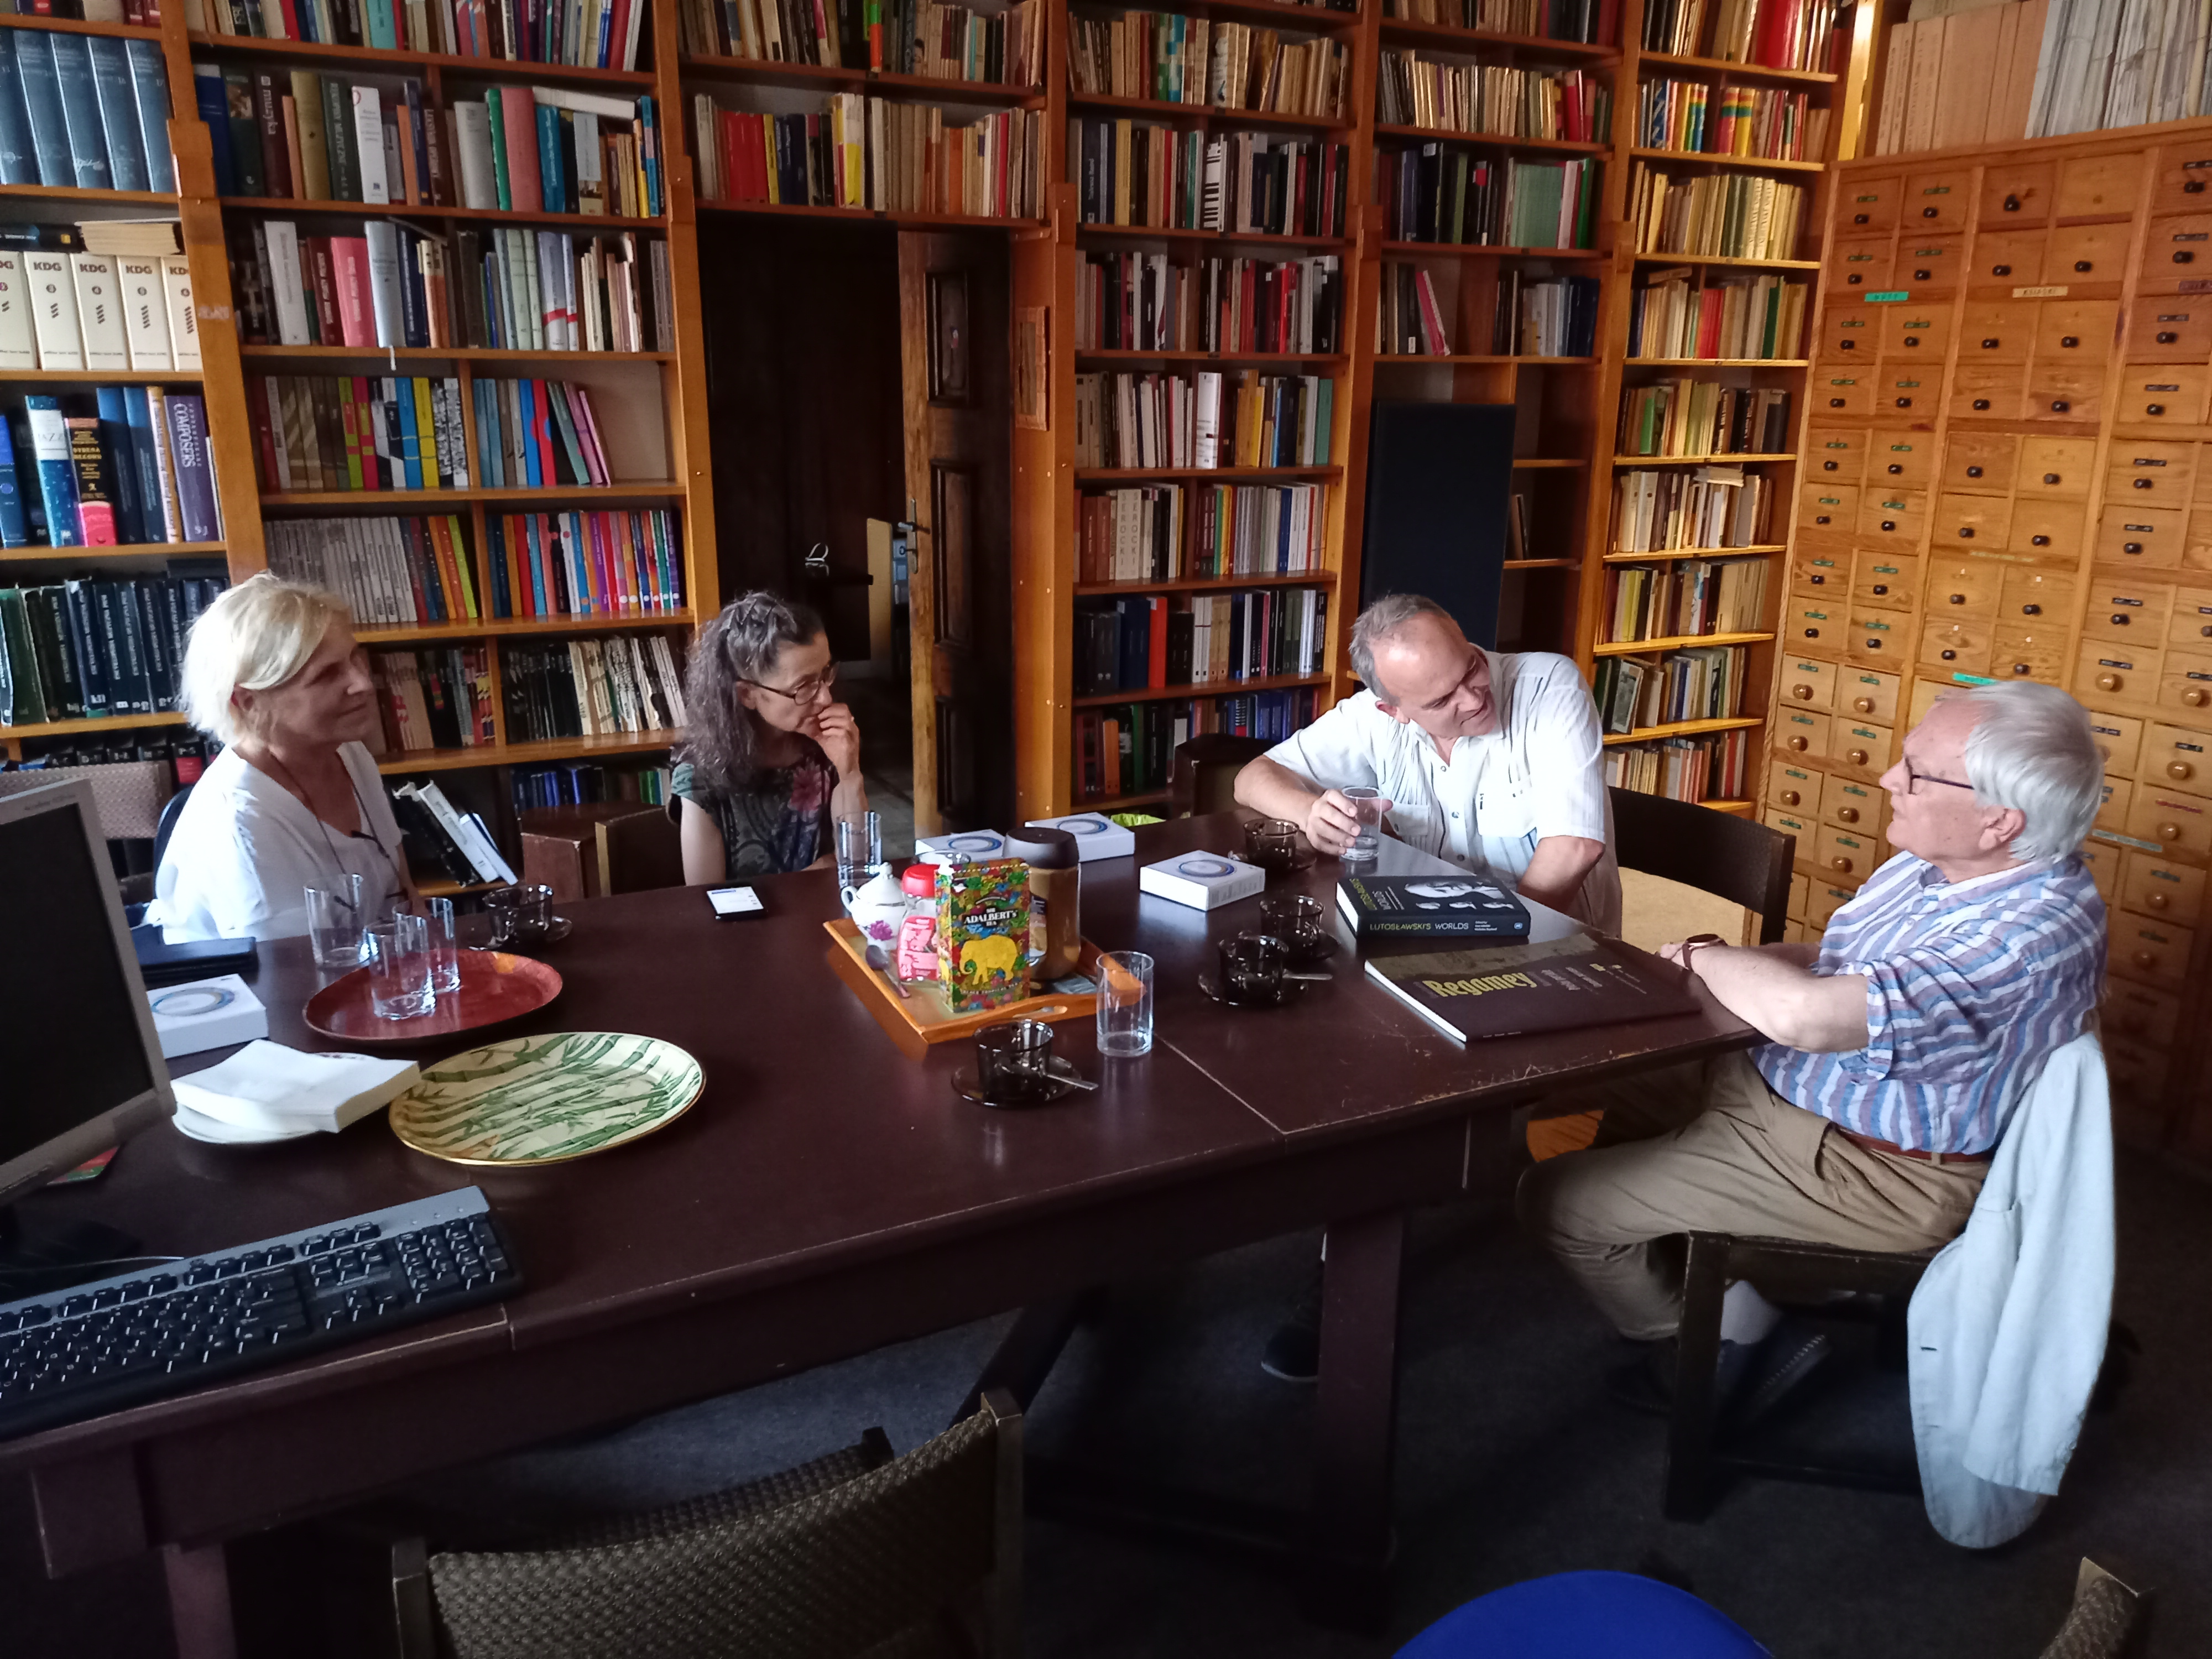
917	937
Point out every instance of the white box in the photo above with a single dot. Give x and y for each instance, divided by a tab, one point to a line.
1096	835
966	846
207	1013
1204	881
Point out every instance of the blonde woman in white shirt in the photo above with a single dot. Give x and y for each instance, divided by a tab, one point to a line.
295	800
1494	760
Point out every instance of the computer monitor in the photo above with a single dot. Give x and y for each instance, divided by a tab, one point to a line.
81	1065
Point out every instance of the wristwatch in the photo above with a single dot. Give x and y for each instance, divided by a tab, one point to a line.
1690	946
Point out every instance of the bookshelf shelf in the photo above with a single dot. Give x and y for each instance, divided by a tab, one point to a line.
75	26
1727	261
1142	474
760	71
1540	564
903	221
1207	584
1670	63
409	211
442	354
1548	463
1477	357
1717	160
1208	116
510	626
1266	238
100	376
1450	37
1694	460
1228	358
128	551
1740	809
1209	688
1627	647
1486	251
1317	20
1493	141
71	193
1682	729
1695	553
1716	362
419	501
527	754
373	58
85	728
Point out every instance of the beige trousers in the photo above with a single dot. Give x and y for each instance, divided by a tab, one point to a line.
1708	1147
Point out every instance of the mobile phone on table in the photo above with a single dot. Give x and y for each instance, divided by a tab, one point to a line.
732	903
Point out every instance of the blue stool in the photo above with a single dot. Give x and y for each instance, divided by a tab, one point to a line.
1584	1615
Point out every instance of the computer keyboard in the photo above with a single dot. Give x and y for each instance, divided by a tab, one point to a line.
158	1331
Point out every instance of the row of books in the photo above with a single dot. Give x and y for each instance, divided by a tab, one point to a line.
625	685
1128	748
87	649
1442	193
898	37
1554	316
1658	512
64	309
1132	173
1235	418
460	844
1169	58
395	285
583	34
107	466
1151	641
83	111
1144	302
185	753
1683	416
1698	683
1594	22
1258	530
1713	767
440	698
295	135
1733	215
862	152
537	434
1687	313
1797	34
333	432
392	572
578	783
1133	534
1494	99
1971	77
1685	599
1708	120
603	563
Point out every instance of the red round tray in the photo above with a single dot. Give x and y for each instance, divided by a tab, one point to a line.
496	988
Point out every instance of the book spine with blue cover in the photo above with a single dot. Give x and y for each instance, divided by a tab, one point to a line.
410	455
153	640
214	114
122	466
145	464
50	448
79	100
117	612
42	101
195	477
149	88
77	606
119	113
19	154
15	523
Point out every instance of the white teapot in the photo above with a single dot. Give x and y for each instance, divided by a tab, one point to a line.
877	906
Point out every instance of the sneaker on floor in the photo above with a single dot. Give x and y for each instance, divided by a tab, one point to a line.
1294	1353
1785	1361
1647	1383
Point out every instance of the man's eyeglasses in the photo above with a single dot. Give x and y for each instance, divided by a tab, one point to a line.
1913	777
805	691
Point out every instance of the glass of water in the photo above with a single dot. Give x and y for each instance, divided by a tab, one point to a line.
1367	845
399	952
334	924
1125	1003
860	847
445	946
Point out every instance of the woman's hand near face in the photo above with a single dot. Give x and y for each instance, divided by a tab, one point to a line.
839	735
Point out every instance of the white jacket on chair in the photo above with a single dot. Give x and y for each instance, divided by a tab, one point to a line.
2007	1329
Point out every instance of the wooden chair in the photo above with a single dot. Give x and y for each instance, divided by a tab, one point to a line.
858	1552
1204	777
640	850
1717	853
1791	1268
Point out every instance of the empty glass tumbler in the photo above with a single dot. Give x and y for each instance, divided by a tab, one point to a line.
1125	1003
1367	845
334	924
445	946
398	953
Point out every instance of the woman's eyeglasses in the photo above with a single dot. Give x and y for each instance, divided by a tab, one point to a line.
805	691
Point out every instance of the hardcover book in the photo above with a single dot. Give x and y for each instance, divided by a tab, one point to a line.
1515	991
1441	906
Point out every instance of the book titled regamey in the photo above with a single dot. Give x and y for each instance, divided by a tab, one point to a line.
1551	987
1447	905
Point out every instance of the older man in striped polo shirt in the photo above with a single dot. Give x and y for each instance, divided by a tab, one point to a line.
1898	1046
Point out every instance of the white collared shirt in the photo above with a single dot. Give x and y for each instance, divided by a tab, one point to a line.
1541	773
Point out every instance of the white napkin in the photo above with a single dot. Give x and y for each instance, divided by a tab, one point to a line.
273	1092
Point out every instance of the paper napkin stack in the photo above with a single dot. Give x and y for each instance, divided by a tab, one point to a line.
266	1092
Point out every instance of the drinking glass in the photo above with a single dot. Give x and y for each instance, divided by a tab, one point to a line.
445	947
1252	966
1366	846
334	924
1295	919
860	848
398	953
1014	1062
1125	1003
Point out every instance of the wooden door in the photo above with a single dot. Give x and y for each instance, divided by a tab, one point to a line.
953	338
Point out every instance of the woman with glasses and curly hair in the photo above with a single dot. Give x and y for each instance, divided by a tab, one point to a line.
770	757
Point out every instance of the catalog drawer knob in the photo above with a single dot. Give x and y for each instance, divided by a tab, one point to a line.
2059	405
1981	403
1840	864
1847	345
2000	270
2108	681
1817	581
2153	409
1800	744
2069	341
2039	541
1853	280
1966	533
2012	204
1894	467
1912	339
1848	814
2022	668
2167	336
1858	218
2184	258
1958	598
1874	645
2081	264
2141	483
1990	344
2169	832
2193	187
1881	588
1864	705
1803	694
1819	518
2196	696
1835	403
2157	902
1973	473
1889	523
1950	656
1827	467
1857	757
2205	632
1789	798
2119	620
2180	771
1812	632
1928	213
2051	477
1905	403
1919	277
2131	547
2145	959
2031	610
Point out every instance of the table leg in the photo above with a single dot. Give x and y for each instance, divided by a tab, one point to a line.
1028	1352
1350	1545
199	1601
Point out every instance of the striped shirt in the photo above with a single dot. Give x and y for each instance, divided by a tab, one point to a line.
1969	988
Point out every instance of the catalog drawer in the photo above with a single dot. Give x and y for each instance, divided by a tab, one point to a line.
2111	668
2170	328
2060	390
1794	788
1815	626
2183	180
2150	474
1826	898
1869	695
1907	391
1845	855
2159	887
1900	456
2120	736
2028	653
1888	516
1848	329
2017	192
1930	262
2139	1013
1996	331
1808	682
1989	392
1983	462
1801	731
2127	610
1969	522
2091	185
2088	253
1886	581
1958	589
1821	573
1860	808
1869	205
1918	332
2104	862
1861	263
1937	200
1843	397
2150	537
1878	637
2189	624
2116	806
2009	256
2170	819
1837	453
2177	757
1955	645
2180	248
1829	509
2038	598
1863	745
2185	683
2152	953
2047	529
2059	467
2163	396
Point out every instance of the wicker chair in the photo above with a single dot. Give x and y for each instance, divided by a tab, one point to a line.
858	1553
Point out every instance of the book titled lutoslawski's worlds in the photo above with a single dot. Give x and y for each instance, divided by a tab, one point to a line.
1510	991
1445	905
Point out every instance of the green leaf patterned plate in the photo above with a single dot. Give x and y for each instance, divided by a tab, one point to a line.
546	1099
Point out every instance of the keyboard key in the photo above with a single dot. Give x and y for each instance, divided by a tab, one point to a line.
161	1284
76	1305
199	1275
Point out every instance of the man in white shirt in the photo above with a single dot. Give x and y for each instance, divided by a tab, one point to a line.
1490	759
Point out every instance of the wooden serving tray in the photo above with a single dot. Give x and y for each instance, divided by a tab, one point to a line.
917	1023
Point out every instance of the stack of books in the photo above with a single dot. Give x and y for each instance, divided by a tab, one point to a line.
1694	507
550	149
111	295
873	153
1244	419
623	684
84	649
900	37
1169	58
392	572
1492	99
1683	313
83	111
1128	748
625	562
1698	119
535	434
1682	416
1732	216
1442	193
1964	73
591	34
109	466
576	783
1684	600
1794	34
1129	535
1716	766
1134	173
1698	683
1554	316
1586	21
434	699
1258	530
330	432
1153	642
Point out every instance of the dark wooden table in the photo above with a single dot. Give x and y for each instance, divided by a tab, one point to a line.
826	1196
